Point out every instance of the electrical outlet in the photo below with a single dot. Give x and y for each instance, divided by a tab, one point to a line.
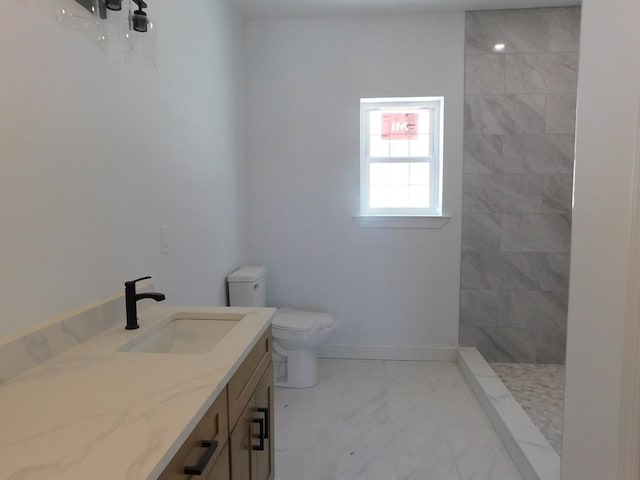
164	240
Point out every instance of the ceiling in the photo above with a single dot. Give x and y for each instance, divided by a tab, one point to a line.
255	9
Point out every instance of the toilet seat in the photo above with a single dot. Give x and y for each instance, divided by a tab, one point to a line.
291	320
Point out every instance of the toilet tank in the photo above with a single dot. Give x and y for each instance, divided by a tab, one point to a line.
247	287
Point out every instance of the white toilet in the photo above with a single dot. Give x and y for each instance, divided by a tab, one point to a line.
296	333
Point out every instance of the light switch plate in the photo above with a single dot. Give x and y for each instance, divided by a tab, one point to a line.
164	240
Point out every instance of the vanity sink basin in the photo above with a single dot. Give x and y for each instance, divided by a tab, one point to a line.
184	334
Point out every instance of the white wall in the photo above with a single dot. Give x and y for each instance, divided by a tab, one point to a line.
96	155
388	287
607	141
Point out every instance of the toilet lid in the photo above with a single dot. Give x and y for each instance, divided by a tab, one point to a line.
302	321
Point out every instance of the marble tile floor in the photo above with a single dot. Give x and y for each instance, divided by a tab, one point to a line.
539	389
387	420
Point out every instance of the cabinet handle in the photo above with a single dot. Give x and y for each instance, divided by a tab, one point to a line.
265	411
260	423
211	446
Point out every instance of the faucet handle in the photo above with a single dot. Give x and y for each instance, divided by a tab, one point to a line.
131	283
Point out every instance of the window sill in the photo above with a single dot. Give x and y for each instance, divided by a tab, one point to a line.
396	221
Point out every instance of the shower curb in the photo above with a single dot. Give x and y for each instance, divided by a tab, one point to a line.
531	453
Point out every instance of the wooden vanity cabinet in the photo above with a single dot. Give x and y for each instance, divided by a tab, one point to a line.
213	427
251	441
241	421
240	444
220	469
264	459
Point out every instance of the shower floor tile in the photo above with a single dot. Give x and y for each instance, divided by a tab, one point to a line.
382	420
539	389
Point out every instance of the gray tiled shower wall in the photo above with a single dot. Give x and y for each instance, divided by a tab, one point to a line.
518	168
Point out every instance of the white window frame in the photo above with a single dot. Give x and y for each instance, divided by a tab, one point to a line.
436	104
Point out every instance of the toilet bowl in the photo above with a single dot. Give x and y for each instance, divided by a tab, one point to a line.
296	336
296	333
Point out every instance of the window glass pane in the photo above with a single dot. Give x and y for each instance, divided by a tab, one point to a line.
375	122
420	147
398	174
418	196
399	148
378	174
399	185
399	124
400	142
378	197
419	173
424	122
378	147
398	196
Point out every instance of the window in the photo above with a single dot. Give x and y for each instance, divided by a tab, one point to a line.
401	156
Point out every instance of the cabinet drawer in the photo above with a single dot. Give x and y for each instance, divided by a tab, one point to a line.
213	427
246	378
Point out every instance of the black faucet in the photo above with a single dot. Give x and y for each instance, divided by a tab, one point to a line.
131	300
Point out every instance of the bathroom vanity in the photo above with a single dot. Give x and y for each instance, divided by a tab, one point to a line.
234	439
155	403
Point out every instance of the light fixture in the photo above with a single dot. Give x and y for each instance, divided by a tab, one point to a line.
139	20
127	35
114	5
120	32
78	14
499	47
143	33
115	38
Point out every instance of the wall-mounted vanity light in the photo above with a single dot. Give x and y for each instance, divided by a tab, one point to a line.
115	5
139	19
78	14
119	32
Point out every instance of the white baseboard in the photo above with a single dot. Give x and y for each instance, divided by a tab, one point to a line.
390	352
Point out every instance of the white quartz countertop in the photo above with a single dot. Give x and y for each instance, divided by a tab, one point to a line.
93	412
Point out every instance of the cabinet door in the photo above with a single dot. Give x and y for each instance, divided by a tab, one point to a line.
220	469
264	459
244	381
240	443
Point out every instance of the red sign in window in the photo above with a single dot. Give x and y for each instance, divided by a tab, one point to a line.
399	126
